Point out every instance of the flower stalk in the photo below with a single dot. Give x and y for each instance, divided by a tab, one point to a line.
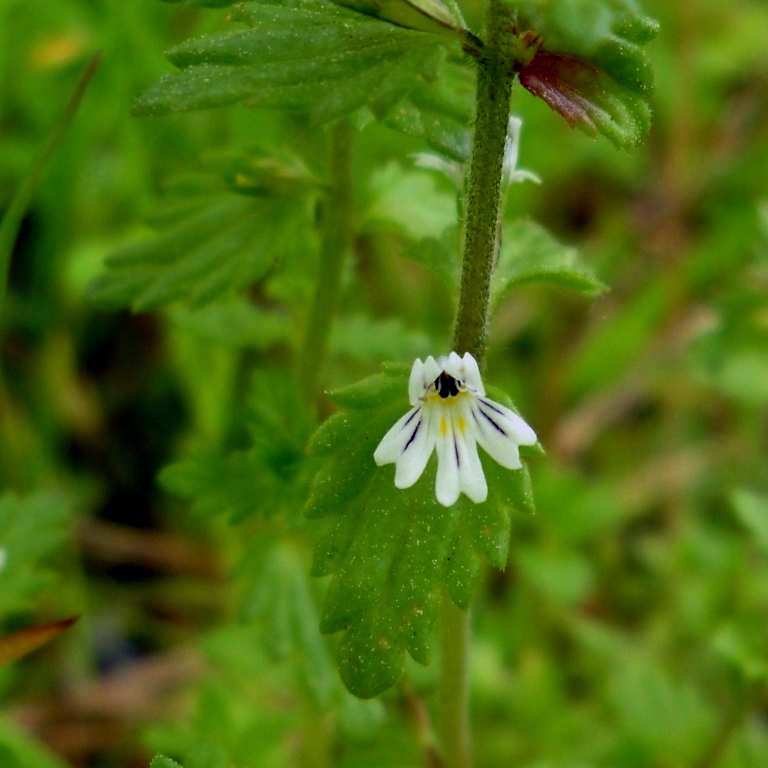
495	76
336	244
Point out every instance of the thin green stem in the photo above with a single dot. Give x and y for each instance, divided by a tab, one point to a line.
495	76
9	226
494	86
336	244
454	686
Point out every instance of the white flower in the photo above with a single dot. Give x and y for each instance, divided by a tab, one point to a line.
452	414
511	173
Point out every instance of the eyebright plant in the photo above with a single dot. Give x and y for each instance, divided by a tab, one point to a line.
398	554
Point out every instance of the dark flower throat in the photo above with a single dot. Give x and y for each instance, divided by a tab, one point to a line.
446	386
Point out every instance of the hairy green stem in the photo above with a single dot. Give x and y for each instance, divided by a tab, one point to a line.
481	237
494	86
455	729
336	243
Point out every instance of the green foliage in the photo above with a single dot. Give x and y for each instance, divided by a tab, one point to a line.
269	477
529	254
315	57
160	761
18	750
213	245
32	529
592	67
391	552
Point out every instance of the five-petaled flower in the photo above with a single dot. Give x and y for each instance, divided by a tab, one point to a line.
451	413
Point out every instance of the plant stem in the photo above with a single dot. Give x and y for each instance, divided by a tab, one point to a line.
495	76
336	243
494	86
454	686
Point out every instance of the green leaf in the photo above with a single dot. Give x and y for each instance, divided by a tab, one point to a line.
439	112
311	56
32	529
391	552
269	477
212	245
160	761
234	322
752	511
529	254
590	64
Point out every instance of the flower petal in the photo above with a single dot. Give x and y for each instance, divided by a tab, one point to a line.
511	421
494	438
453	367
416	452
431	371
447	484
416	382
392	444
471	476
472	376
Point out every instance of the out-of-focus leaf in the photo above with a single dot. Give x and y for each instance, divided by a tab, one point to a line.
529	254
366	339
747	654
217	244
752	511
412	200
440	112
308	55
269	477
589	63
161	761
32	528
25	641
234	323
278	600
20	750
391	551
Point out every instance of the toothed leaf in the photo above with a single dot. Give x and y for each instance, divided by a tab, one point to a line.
390	552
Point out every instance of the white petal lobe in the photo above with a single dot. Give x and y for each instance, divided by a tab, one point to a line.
415	455
392	444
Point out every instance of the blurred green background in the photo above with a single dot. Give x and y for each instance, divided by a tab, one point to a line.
629	629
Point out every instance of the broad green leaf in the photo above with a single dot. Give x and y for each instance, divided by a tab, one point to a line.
312	56
32	529
529	254
392	552
589	63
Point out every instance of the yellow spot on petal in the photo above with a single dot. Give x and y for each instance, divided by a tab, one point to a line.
443	426
461	424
